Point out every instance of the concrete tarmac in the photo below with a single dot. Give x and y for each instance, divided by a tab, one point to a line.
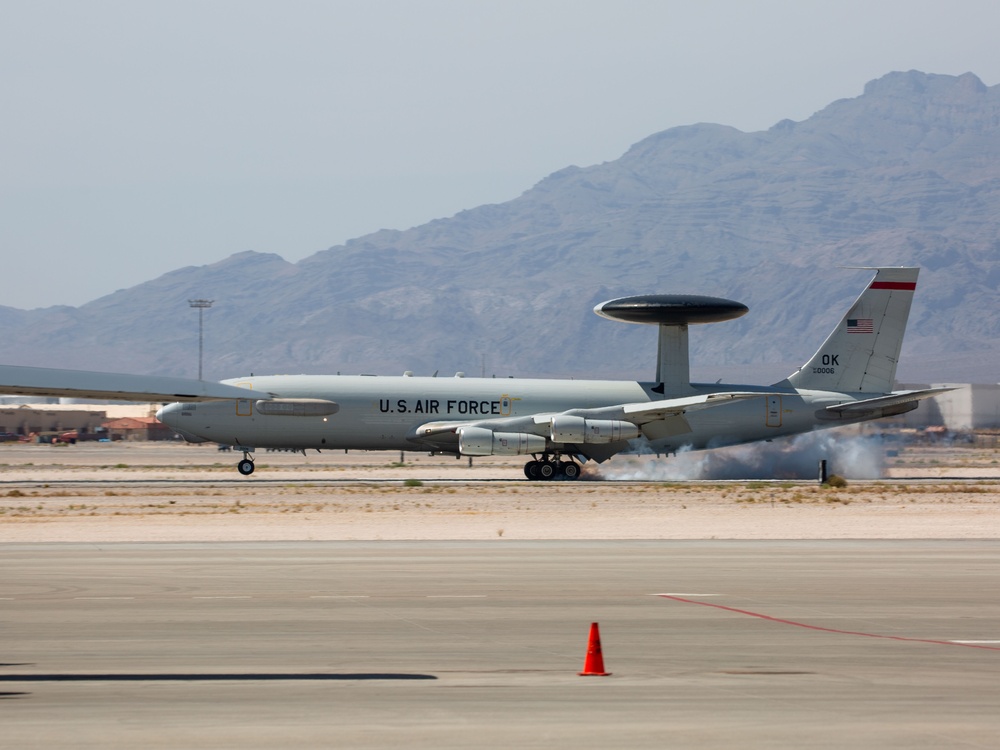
760	644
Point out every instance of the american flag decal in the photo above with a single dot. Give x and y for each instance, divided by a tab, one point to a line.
860	325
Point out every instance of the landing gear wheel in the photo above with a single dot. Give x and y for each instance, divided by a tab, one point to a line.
570	470
245	467
546	470
531	470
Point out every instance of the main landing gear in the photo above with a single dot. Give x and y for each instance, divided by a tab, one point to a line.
245	467
551	468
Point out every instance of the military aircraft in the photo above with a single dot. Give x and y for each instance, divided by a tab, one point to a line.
558	423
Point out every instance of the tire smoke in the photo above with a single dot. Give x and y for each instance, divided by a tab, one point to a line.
851	456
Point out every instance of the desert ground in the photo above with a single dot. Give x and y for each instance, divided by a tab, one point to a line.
142	492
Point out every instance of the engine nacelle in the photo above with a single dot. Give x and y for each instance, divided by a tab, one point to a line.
478	441
569	429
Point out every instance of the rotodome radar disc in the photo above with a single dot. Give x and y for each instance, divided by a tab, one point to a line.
671	309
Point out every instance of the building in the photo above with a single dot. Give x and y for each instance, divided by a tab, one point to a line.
138	428
970	407
27	420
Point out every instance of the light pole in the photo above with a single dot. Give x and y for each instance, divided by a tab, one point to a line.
201	305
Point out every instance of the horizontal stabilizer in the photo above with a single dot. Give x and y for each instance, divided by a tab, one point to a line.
883	402
42	381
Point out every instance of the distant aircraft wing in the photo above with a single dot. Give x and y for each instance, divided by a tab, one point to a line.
675	407
654	418
42	381
857	408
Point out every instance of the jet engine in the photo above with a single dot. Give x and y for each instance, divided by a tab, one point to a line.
569	429
478	441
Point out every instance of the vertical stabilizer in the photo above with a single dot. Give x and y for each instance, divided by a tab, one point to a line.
861	354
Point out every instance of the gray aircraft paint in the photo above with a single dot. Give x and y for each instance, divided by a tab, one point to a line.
364	421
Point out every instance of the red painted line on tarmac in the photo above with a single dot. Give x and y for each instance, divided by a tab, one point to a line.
826	630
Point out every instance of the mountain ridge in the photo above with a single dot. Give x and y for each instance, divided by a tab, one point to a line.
906	173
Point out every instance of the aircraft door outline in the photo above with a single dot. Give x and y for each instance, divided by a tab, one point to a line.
244	406
507	404
773	418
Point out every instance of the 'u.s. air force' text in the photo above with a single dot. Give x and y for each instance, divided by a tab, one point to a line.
449	406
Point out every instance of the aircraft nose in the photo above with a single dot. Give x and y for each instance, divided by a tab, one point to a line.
165	413
173	415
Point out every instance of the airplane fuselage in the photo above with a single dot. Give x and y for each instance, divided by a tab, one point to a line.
384	413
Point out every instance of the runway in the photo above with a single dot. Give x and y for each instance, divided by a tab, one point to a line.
750	644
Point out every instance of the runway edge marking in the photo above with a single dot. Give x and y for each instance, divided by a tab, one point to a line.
677	593
770	618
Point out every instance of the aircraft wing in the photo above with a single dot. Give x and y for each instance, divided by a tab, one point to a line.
856	408
638	414
675	407
42	381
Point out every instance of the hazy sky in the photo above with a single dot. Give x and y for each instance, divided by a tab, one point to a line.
141	136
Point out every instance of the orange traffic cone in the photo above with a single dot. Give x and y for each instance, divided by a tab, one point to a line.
593	665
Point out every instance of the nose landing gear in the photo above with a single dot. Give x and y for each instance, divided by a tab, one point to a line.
245	467
551	468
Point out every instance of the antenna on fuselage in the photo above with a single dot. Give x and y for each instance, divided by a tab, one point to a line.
673	313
